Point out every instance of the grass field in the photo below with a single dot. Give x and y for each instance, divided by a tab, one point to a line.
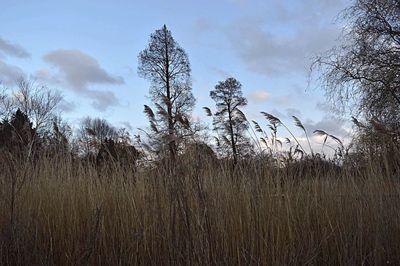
198	213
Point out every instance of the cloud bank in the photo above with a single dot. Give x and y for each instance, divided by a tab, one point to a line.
81	72
275	37
270	54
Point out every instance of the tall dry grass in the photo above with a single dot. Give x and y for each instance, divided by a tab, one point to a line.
198	213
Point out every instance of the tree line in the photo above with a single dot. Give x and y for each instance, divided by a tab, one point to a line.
363	73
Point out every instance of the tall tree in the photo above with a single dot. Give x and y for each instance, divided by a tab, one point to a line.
364	69
166	65
229	120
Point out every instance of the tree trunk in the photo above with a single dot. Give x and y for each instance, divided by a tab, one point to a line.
171	135
233	144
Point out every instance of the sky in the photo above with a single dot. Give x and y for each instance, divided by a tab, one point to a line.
87	49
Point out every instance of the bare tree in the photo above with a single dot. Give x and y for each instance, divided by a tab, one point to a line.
364	70
166	65
229	120
38	102
93	132
6	103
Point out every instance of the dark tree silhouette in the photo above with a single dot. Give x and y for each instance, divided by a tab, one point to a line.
92	134
116	154
229	121
17	136
364	69
166	65
37	103
58	140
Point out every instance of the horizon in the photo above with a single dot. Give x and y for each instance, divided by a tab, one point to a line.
88	51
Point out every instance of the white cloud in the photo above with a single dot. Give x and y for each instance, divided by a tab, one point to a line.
259	96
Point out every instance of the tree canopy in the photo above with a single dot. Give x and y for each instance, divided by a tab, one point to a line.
362	71
166	65
229	121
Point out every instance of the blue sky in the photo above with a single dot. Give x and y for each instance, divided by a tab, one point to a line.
88	50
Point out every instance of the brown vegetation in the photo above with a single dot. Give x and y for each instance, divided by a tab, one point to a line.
199	213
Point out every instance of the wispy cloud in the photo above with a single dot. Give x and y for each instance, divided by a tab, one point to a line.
66	106
331	125
12	49
223	74
79	69
202	24
102	100
45	75
81	72
270	54
10	74
259	96
284	38
293	112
